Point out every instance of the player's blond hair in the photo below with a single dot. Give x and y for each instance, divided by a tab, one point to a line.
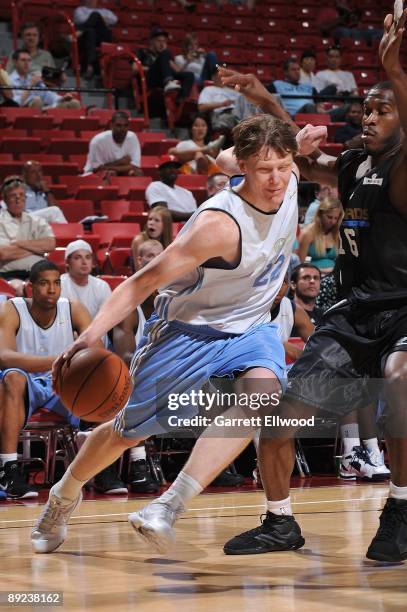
254	133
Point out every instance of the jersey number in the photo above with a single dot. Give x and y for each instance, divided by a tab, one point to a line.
353	246
270	273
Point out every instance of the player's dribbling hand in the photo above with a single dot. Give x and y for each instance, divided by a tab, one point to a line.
389	47
66	357
310	138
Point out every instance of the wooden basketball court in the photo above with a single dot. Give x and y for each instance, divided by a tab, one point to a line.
101	566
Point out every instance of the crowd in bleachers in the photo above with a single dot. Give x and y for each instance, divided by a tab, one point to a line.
105	182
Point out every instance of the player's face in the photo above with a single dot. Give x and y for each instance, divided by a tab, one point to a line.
47	289
15	201
308	284
155	225
381	123
80	263
330	218
267	176
148	253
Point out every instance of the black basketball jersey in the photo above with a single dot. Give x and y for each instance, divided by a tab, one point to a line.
372	255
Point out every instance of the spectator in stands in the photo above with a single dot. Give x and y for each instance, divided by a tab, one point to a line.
162	71
320	239
158	228
6	95
193	58
126	337
30	37
44	98
216	182
322	192
197	154
180	202
305	283
308	64
350	134
343	80
291	85
218	101
33	332
94	26
116	151
39	199
77	283
22	77
24	238
343	21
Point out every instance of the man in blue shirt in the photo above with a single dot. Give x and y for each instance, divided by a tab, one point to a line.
291	86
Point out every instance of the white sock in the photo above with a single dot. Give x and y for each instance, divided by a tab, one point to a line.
372	444
4	457
181	491
397	492
280	507
137	453
68	487
350	437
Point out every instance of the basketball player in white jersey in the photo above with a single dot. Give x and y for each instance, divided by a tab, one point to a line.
32	332
218	280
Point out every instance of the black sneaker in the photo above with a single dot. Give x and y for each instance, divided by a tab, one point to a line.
14	483
227	479
140	478
109	483
390	541
275	533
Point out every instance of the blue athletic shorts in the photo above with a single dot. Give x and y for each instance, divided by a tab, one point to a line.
174	357
41	395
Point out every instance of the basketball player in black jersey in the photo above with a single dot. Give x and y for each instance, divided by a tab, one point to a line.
364	335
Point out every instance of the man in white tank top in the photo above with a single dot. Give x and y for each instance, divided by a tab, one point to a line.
237	246
32	332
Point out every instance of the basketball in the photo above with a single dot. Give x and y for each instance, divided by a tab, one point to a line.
95	385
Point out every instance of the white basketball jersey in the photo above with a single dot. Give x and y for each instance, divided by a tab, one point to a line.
285	319
34	340
234	300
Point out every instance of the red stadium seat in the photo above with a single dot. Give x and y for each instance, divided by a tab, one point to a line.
6	289
58	114
18	145
113	281
6	157
11	113
135	217
118	261
97	192
57	256
314	119
79	124
55	158
76	210
73	182
110	233
8	168
114	209
67	146
131	187
37	122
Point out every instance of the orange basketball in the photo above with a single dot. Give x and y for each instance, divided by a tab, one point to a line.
95	385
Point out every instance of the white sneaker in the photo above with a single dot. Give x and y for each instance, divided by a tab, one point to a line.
377	459
359	465
172	85
153	524
50	528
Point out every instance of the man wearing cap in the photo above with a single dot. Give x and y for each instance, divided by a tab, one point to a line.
24	238
180	201
117	150
160	67
77	283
